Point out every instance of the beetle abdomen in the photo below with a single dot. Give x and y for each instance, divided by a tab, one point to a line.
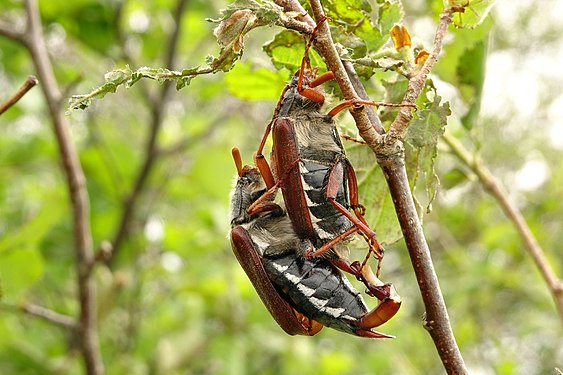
328	222
316	289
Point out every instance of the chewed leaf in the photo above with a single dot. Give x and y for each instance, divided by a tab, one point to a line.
421	141
266	12
236	21
126	76
113	80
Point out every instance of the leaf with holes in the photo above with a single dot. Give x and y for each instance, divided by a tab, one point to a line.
421	141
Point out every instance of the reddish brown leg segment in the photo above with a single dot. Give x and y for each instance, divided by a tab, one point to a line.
390	304
359	102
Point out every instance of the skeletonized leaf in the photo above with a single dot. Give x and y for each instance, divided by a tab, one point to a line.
421	141
126	76
236	21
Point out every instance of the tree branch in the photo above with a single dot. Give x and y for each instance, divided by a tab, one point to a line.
437	321
27	85
495	188
10	32
76	181
158	107
390	155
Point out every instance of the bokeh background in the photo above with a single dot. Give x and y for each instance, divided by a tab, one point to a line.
174	300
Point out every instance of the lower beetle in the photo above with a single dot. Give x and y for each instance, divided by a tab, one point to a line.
301	294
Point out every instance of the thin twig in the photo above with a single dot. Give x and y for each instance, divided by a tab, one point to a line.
390	156
76	182
43	313
50	315
27	85
416	84
495	188
437	321
9	31
158	107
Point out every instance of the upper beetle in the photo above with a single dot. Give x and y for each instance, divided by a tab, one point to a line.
318	182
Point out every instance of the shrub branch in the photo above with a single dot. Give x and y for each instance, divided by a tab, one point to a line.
389	151
497	191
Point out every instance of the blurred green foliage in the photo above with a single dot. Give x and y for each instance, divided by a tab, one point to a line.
175	300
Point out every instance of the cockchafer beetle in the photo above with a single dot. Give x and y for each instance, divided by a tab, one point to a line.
301	294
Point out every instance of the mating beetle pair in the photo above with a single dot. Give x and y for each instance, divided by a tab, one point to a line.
302	295
291	256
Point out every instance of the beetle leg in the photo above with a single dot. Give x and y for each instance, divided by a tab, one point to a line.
356	268
385	310
351	139
260	160
311	327
265	170
306	65
358	103
311	94
323	78
336	176
258	204
359	210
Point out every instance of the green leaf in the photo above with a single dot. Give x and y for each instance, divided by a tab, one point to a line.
33	232
286	51
471	74
19	270
463	65
347	11
394	93
356	29
375	33
255	84
374	194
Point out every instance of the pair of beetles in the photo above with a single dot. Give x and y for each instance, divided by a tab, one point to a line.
293	252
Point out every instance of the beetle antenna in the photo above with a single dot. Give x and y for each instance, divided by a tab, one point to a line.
238	160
